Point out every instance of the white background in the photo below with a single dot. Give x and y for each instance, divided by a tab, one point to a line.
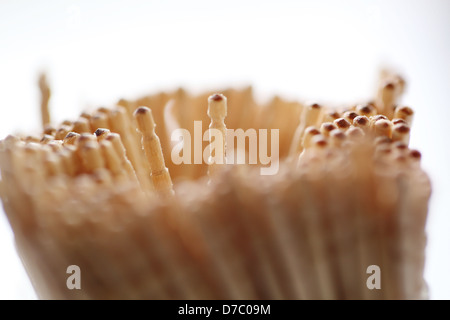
98	51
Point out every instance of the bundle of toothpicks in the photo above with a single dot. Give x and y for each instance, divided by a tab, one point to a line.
342	217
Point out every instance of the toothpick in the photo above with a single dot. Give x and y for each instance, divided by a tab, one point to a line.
112	160
71	138
382	127
310	117
45	97
319	143
337	138
331	116
415	155
52	163
349	116
342	124
366	110
81	125
91	156
375	118
69	160
101	133
120	151
404	113
46	139
217	111
362	122
313	114
400	132
396	121
120	123
86	115
55	145
32	139
152	147
326	128
399	145
382	140
67	123
104	110
310	132
99	120
85	138
49	130
62	132
386	100
355	133
130	106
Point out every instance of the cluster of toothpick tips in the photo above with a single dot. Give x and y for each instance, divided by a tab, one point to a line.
102	190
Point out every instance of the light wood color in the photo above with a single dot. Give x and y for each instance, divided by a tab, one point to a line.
310	117
120	151
405	113
120	123
152	147
81	126
217	111
45	98
357	197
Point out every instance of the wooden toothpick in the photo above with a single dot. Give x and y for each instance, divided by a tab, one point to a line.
50	130
71	138
91	156
349	115
99	120
119	149
62	132
152	148
387	98
101	133
366	110
121	123
342	124
400	132
310	117
331	116
337	138
326	128
113	161
382	127
45	97
310	132
362	122
217	111
355	133
81	125
405	113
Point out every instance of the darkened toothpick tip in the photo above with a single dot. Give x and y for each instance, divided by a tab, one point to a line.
142	110
101	132
217	107
71	138
361	121
415	154
350	115
366	109
341	123
144	118
216	97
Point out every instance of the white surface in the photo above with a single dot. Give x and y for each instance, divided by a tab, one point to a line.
98	51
